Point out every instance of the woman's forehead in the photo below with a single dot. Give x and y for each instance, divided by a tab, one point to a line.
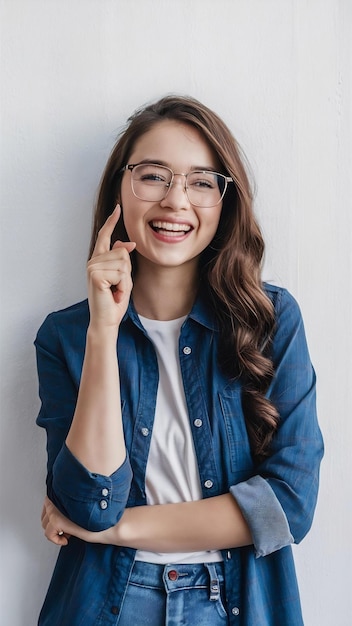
173	142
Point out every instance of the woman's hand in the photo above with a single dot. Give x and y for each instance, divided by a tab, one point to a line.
109	276
57	527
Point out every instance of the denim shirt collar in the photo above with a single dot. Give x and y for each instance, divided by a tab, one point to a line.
200	313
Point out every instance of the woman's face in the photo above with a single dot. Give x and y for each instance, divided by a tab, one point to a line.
170	232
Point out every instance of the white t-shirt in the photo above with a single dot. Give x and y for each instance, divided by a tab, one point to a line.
172	471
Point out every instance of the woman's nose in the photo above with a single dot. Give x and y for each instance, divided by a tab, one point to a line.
176	197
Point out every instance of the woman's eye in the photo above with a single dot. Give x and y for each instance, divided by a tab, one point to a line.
203	183
151	174
153	177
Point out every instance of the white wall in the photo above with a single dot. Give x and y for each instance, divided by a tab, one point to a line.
278	71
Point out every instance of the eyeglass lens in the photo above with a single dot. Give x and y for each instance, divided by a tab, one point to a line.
152	182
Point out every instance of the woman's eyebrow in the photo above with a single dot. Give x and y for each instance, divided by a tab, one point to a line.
154	162
202	168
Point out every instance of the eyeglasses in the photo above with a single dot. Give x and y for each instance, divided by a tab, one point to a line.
152	183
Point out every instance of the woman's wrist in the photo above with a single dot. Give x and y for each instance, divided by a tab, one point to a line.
114	536
98	333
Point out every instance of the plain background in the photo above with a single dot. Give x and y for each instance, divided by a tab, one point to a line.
278	72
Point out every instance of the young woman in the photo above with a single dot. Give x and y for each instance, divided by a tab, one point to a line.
179	400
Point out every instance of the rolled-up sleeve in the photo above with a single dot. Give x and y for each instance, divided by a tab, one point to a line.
264	515
93	501
279	502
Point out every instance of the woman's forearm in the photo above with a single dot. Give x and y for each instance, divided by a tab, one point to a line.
96	436
211	524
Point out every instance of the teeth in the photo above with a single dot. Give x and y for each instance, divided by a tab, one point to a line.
172	226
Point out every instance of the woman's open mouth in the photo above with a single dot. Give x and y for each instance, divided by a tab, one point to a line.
170	229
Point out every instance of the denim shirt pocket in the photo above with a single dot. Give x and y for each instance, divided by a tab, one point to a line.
241	462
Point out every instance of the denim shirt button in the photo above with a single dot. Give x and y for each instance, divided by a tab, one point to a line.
208	484
187	350
235	610
198	423
105	492
145	432
103	504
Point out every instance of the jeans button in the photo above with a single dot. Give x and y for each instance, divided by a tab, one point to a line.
172	574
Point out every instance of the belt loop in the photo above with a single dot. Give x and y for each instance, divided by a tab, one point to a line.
214	590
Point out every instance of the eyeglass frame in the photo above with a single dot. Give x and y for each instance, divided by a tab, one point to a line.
131	166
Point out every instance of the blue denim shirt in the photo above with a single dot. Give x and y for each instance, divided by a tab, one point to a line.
277	497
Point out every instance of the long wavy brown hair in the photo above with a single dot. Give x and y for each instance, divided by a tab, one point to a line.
230	268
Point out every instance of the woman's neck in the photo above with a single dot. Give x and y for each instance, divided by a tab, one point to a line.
164	293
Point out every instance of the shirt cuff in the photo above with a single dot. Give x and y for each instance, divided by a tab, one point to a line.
91	500
264	515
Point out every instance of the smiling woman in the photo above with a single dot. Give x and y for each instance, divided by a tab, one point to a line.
178	400
165	217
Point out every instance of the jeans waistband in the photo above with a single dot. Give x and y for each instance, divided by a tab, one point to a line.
175	577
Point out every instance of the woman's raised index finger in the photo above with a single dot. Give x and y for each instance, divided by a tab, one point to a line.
103	242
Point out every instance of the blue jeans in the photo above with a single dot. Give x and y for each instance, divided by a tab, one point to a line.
174	595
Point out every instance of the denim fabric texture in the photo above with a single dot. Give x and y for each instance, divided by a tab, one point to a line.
277	497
